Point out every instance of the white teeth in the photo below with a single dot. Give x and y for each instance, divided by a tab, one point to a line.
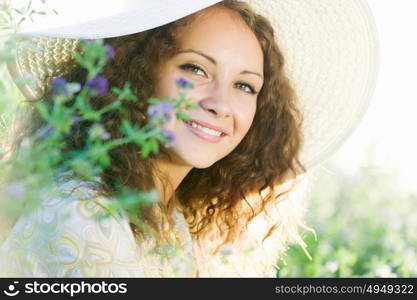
205	129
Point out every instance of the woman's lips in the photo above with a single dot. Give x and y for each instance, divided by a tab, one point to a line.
204	135
208	125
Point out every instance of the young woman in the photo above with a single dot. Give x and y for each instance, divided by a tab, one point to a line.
223	185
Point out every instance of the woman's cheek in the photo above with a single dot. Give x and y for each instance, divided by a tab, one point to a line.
247	117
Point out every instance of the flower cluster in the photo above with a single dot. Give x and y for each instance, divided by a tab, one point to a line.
99	86
61	87
162	110
170	137
110	53
183	83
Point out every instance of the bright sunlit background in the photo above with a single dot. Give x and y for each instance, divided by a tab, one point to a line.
363	205
388	132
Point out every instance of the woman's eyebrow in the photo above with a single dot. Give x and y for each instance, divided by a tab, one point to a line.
211	59
199	53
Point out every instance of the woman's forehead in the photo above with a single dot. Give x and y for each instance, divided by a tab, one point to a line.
217	17
221	32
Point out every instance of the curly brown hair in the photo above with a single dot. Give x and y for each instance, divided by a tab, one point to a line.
217	195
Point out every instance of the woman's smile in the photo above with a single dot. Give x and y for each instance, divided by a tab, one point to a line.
208	134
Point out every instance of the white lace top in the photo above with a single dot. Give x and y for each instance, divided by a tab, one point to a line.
64	238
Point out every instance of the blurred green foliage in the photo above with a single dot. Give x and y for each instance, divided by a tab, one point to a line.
28	172
365	225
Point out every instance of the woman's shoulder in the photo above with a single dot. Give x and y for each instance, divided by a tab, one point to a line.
79	205
71	233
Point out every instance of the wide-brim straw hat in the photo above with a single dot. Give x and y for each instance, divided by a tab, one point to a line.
330	49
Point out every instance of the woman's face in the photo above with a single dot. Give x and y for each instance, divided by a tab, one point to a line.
222	57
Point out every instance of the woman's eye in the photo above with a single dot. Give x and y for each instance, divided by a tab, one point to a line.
247	88
193	68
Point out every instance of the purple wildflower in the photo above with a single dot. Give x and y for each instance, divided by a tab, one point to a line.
160	110
105	136
110	53
69	134
170	136
74	120
89	41
98	85
15	190
59	85
45	132
183	83
75	87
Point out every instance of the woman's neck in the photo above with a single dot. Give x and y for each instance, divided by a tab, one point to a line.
173	172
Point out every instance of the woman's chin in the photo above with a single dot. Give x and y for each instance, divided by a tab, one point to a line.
194	160
200	163
203	166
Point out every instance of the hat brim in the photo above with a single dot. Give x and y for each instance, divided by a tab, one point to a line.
139	15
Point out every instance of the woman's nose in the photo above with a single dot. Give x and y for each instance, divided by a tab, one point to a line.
217	100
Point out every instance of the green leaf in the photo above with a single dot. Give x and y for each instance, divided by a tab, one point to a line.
29	5
43	110
146	149
19	11
20	22
116	104
191	106
91	115
181	116
98	152
154	146
153	101
139	138
2	88
125	128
